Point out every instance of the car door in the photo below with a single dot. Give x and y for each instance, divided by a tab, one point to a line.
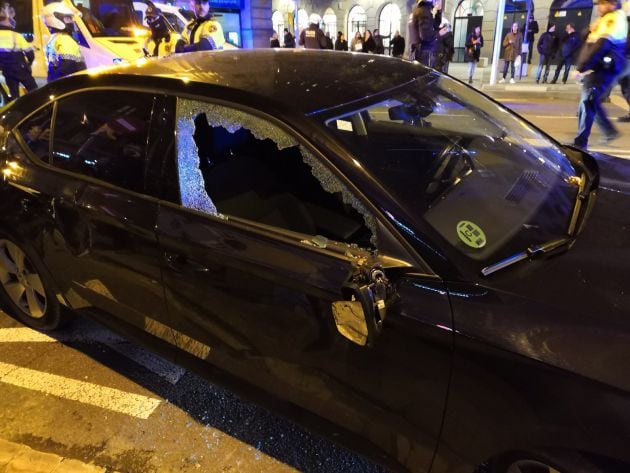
107	226
261	242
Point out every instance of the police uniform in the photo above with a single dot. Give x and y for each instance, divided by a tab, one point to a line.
313	38
63	56
201	34
162	47
16	56
604	55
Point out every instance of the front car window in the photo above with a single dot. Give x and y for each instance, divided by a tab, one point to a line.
482	178
108	17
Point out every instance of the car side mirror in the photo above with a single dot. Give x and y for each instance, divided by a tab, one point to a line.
359	317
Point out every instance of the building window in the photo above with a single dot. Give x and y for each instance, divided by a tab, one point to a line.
357	21
277	22
389	23
302	19
330	22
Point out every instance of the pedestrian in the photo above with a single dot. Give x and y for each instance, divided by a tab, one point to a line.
624	82
63	54
203	33
422	32
340	43
369	45
378	40
474	43
570	46
16	55
512	43
398	45
313	37
289	40
547	47
600	62
444	49
163	39
329	42
357	42
532	31
274	42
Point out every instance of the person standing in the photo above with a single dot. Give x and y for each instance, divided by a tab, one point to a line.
357	42
274	42
512	43
289	40
340	43
204	33
474	43
369	45
444	49
163	39
16	55
378	40
398	45
570	46
600	61
63	54
532	31
313	37
422	32
329	41
547	47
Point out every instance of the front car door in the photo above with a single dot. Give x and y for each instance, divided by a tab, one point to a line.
261	240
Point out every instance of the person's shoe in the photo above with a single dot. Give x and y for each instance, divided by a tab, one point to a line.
553	82
564	82
580	144
512	81
624	119
538	81
610	137
470	80
502	81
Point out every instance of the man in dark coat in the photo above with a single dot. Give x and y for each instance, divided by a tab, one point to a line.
444	50
601	60
313	37
547	47
289	40
532	31
422	32
570	45
398	45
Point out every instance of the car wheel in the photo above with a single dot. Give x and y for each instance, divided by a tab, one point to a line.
25	288
530	466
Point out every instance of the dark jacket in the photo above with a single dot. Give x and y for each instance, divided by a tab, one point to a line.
378	40
369	46
547	44
444	50
341	45
475	48
532	30
570	45
313	37
423	45
289	40
329	42
398	46
274	43
16	56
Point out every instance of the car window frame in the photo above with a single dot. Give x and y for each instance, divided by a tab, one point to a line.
396	245
54	100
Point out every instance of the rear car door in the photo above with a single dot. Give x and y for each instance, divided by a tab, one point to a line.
103	247
262	239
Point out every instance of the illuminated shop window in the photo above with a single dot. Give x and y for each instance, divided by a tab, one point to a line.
389	23
357	21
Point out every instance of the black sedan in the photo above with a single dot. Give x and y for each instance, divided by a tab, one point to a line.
386	253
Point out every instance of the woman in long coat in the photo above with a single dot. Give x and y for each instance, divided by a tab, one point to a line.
513	44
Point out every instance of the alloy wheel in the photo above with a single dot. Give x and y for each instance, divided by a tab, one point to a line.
21	281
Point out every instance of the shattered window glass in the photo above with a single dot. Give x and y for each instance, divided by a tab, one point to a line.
235	164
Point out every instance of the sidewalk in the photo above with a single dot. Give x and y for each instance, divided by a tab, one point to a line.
17	458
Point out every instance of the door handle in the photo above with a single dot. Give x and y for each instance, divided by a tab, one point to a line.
179	262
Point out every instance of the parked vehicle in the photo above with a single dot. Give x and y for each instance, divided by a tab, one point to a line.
177	17
439	282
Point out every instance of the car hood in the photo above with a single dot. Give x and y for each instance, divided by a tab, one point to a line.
571	311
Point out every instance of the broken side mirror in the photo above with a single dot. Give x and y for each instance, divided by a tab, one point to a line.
359	317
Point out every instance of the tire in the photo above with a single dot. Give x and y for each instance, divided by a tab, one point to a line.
25	288
544	462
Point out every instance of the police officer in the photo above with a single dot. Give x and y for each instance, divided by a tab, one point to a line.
63	54
422	32
16	55
313	37
163	39
601	60
204	33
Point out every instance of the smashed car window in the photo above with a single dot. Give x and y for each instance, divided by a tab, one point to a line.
234	164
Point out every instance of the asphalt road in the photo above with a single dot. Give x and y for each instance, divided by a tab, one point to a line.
89	395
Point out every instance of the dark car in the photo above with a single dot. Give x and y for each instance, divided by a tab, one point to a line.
360	237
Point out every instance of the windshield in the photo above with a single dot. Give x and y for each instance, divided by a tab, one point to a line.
108	17
481	177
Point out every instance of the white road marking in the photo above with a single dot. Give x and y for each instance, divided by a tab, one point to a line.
157	365
112	399
554	117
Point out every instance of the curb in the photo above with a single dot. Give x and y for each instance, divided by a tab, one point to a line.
18	458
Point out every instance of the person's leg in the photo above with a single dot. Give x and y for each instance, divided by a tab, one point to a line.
601	117
29	83
512	70
547	62
586	111
530	51
506	63
471	70
539	68
567	68
14	86
556	74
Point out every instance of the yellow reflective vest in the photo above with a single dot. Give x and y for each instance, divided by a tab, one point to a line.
208	29
63	56
164	47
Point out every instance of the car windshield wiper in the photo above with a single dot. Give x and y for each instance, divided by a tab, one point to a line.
553	245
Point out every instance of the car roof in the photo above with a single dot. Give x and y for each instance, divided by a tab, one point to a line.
305	81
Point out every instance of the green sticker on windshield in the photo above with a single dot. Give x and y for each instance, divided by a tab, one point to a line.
471	234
